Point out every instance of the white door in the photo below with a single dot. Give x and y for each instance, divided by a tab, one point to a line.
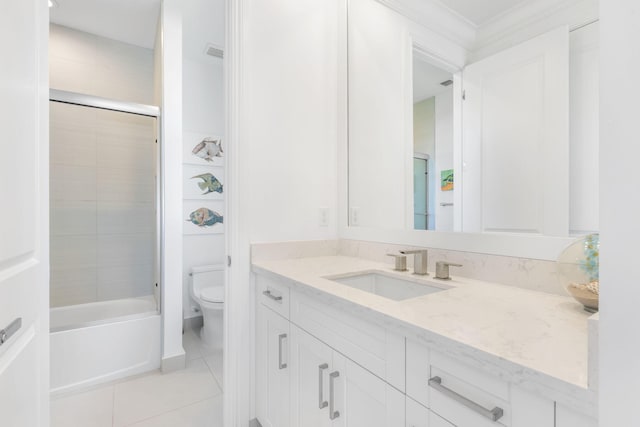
273	367
362	399
24	251
311	364
515	148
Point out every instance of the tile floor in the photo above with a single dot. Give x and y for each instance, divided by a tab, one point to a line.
188	398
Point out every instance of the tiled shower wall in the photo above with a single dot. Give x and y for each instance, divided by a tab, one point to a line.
102	172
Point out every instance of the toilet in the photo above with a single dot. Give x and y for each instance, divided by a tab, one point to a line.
207	289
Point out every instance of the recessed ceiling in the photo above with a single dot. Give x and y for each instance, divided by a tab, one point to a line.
480	11
129	21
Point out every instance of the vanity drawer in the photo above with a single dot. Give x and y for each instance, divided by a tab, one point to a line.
273	295
465	395
369	345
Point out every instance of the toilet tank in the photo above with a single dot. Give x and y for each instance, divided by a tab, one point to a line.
207	276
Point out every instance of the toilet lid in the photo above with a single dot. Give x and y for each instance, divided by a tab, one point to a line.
213	294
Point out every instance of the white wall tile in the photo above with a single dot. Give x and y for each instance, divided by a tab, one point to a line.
73	251
117	217
125	281
69	182
126	249
123	184
102	172
70	217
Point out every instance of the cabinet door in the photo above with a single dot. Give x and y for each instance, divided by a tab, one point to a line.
311	363
272	368
437	421
361	399
566	417
417	415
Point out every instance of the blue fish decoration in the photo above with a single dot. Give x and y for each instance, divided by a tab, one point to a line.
204	217
209	183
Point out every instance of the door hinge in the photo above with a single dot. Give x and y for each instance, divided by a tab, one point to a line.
464	95
228	261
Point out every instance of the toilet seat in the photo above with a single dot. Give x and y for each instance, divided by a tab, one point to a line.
212	294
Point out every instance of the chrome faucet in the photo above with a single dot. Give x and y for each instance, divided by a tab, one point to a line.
442	269
419	261
401	262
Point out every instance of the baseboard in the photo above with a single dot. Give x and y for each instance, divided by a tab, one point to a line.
174	363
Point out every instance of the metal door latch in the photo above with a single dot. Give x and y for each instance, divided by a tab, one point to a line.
8	332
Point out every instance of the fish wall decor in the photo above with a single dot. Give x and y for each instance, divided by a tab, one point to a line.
209	183
208	148
204	218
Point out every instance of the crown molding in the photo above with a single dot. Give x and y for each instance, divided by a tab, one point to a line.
530	19
438	18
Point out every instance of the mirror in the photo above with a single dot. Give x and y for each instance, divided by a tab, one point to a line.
508	145
432	135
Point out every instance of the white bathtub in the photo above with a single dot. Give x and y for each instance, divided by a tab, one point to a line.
103	341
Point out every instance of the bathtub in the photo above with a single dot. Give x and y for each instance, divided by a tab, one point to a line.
103	341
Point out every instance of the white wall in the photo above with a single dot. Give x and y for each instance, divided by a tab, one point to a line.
93	65
173	355
283	134
619	212
290	143
203	114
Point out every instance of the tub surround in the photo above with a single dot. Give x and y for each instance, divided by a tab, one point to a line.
534	339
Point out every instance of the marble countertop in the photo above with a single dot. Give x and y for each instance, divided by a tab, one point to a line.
524	336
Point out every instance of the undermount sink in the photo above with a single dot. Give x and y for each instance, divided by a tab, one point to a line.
386	285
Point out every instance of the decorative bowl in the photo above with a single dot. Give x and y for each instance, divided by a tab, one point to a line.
578	270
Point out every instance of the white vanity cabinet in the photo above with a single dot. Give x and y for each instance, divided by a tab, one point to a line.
468	396
319	365
419	416
273	343
328	389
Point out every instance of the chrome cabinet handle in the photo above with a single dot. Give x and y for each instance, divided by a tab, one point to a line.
321	402
8	332
268	294
332	414
281	338
494	414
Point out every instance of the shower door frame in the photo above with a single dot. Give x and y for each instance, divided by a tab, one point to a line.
153	111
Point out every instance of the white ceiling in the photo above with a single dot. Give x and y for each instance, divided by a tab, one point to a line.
130	21
480	11
427	79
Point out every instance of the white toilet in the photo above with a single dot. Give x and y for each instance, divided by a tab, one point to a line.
207	289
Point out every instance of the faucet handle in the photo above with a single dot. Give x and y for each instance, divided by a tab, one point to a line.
442	269
401	262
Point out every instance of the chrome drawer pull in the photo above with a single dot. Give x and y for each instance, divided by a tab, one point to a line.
8	332
268	294
321	402
281	338
332	414
494	414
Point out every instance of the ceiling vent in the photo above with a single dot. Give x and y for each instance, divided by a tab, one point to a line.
213	50
447	83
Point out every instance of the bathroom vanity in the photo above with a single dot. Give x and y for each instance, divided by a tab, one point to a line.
466	353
